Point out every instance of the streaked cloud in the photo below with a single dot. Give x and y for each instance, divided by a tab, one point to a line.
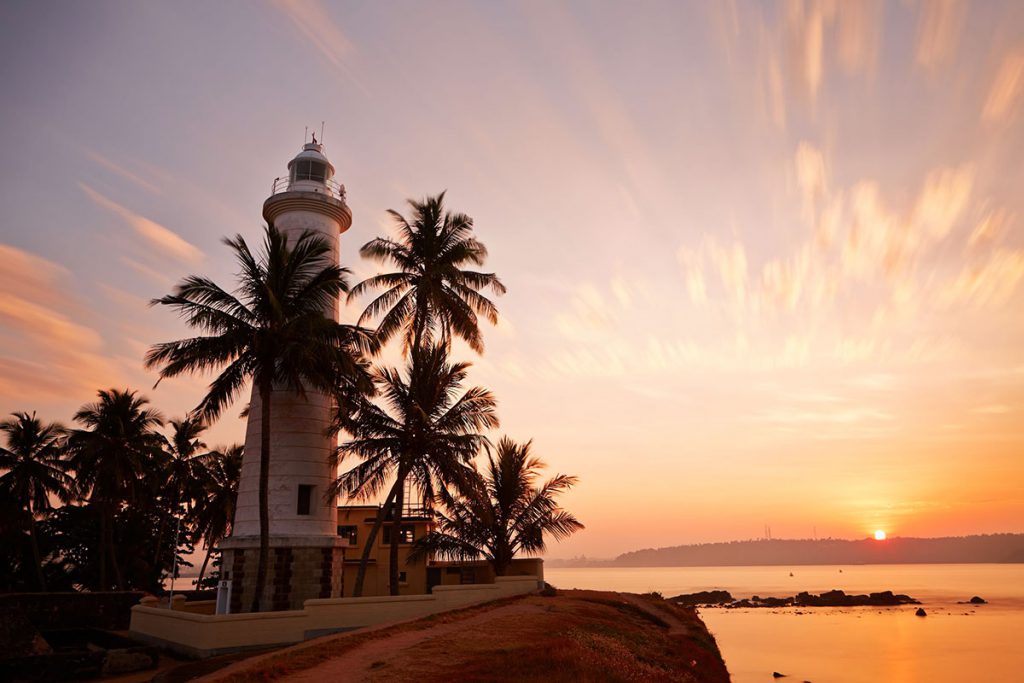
315	23
39	336
1005	93
990	283
30	276
157	236
122	171
938	30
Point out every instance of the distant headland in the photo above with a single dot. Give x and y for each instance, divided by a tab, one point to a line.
986	548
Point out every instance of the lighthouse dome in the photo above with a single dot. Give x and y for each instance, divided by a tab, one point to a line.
310	164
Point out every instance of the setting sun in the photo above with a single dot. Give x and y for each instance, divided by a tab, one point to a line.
879	535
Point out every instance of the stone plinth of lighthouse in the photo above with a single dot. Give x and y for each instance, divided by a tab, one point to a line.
306	553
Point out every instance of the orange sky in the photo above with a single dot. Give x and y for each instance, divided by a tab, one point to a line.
764	261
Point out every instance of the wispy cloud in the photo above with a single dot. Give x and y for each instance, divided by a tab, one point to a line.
1006	89
990	283
47	351
121	171
938	30
157	236
314	21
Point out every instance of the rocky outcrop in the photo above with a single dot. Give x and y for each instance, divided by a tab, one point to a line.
833	598
703	598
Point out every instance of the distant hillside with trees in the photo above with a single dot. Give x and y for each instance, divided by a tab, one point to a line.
996	548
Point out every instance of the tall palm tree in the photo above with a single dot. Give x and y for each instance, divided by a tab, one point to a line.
502	512
116	458
36	469
424	431
184	472
272	331
214	513
430	296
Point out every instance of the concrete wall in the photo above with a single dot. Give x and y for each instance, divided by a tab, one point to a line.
201	635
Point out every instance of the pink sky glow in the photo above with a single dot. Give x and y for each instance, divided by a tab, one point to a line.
764	260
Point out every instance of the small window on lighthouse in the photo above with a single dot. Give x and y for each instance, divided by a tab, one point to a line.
305	499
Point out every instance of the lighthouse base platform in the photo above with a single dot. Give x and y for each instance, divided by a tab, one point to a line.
301	568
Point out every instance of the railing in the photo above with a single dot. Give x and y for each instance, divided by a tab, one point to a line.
328	187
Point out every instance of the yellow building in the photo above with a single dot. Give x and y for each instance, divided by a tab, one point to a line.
354	525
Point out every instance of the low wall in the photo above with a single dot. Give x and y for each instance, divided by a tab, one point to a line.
203	635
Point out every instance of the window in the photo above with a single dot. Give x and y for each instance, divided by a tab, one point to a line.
406	535
402	578
468	575
305	499
349	532
307	169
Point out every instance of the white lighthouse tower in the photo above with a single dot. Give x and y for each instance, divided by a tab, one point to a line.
305	551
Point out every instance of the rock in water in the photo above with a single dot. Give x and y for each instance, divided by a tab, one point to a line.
978	601
920	612
703	598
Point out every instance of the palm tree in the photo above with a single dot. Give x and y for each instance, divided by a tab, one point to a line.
430	295
36	468
272	331
501	513
425	431
184	473
116	458
215	508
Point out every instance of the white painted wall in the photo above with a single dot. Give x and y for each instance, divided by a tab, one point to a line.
299	448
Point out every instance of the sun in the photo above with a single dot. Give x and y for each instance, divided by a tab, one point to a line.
879	535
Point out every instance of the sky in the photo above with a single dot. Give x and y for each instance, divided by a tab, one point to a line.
764	260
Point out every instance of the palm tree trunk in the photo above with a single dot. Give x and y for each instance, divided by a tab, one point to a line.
364	561
160	535
158	555
113	553
35	551
202	571
396	530
264	561
103	551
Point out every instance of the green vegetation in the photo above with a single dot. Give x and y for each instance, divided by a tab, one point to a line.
121	484
422	429
36	469
430	298
500	513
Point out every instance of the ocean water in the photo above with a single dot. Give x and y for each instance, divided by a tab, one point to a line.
955	642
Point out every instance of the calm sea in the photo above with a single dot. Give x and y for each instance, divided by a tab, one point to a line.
955	642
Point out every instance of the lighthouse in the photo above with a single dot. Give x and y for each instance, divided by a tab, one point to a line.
305	550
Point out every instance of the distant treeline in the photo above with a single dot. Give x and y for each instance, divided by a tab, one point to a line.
996	548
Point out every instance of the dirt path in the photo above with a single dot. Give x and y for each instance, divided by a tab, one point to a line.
358	664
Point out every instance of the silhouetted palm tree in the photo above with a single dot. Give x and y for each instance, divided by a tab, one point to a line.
272	331
36	469
183	478
214	513
500	513
430	294
116	459
425	430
